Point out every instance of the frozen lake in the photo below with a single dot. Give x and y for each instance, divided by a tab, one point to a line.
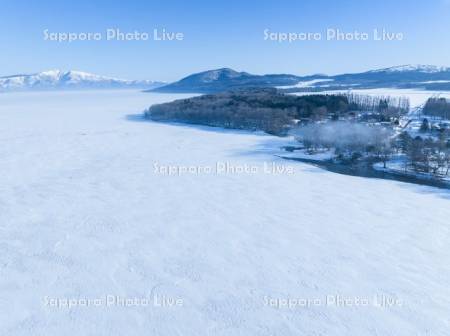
96	238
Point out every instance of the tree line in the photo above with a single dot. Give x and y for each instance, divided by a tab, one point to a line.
437	107
386	107
263	109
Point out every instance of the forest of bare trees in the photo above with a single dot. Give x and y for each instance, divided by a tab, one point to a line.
437	107
386	107
425	155
354	141
347	139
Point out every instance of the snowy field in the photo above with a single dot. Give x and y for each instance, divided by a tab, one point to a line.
96	238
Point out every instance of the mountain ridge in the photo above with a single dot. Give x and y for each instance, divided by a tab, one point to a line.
413	67
224	79
428	77
72	79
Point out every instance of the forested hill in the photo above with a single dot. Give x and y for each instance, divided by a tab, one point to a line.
252	109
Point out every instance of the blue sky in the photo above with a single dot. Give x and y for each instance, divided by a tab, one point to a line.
220	34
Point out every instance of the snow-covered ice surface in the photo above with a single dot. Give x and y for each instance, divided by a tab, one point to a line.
84	215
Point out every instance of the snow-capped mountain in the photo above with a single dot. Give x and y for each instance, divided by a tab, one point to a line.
427	77
414	67
57	79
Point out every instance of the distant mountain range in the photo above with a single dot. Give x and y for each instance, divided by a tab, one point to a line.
426	77
56	79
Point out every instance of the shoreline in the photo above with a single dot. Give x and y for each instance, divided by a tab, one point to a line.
366	169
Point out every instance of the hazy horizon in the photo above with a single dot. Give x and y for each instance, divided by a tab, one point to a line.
188	74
